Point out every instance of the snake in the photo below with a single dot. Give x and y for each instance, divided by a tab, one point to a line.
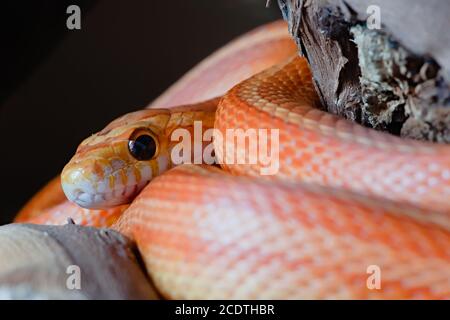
348	213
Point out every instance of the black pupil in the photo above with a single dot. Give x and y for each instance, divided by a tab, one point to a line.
143	147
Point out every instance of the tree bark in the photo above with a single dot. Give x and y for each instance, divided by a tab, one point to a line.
394	78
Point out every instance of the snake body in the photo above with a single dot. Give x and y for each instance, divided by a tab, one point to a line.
345	201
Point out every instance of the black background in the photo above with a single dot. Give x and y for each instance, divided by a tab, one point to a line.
58	86
290	309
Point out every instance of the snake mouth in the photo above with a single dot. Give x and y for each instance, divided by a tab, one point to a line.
98	182
102	200
91	191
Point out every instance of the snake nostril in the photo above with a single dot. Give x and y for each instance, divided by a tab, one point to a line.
76	193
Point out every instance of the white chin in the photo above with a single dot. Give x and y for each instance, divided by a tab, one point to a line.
92	200
98	201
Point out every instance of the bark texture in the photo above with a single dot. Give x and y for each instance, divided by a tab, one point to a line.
394	78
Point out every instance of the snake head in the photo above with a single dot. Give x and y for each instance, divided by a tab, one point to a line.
110	167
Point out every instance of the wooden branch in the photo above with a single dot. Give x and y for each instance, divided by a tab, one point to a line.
36	264
395	78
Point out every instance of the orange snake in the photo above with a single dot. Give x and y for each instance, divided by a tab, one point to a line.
345	198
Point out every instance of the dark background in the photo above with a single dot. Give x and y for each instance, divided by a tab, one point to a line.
58	86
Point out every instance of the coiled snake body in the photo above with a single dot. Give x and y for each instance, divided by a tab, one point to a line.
345	201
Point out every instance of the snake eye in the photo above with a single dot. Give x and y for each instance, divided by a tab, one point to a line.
142	146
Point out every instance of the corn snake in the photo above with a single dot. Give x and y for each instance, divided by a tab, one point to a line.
345	197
